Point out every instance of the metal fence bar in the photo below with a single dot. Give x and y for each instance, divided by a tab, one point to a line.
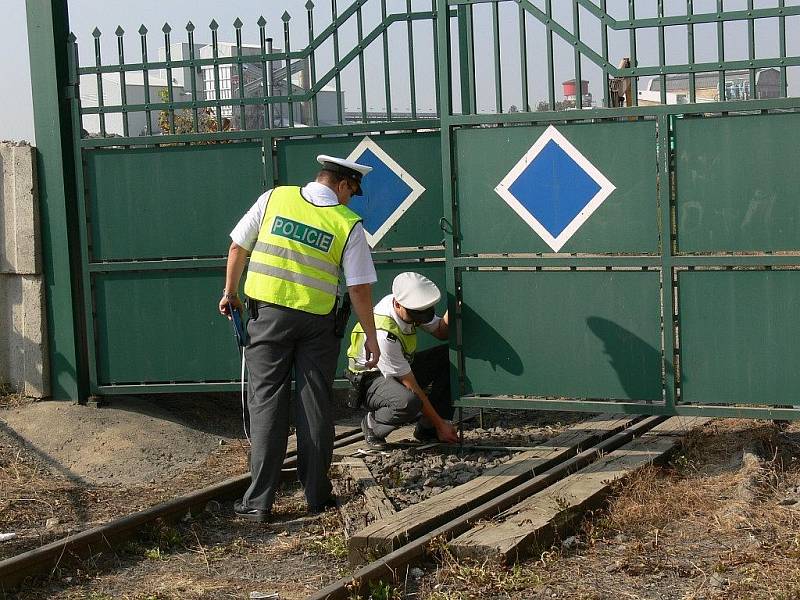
123	90
386	71
551	85
721	52
530	8
289	92
362	86
312	62
449	205
498	80
435	36
662	54
782	48
634	61
170	91
712	17
148	126
751	49
337	67
100	95
213	26
466	50
350	128
82	221
624	112
270	88
576	28
690	51
48	32
237	26
193	78
412	84
262	40
523	51
604	48
668	312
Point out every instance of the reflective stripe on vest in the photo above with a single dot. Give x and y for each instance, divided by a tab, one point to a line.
408	341
295	262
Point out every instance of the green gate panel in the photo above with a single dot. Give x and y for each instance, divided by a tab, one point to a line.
626	153
731	197
739	337
418	153
161	327
435	271
579	334
146	203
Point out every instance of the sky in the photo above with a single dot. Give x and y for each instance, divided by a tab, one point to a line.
16	112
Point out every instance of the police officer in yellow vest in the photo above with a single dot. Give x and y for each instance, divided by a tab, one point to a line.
299	241
393	392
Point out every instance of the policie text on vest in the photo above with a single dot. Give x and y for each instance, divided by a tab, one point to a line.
300	232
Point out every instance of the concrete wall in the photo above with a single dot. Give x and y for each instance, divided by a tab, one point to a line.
23	338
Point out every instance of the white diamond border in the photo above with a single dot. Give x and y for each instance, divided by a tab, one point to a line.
416	187
606	188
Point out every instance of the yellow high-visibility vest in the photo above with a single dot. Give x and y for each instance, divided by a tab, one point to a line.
408	341
297	257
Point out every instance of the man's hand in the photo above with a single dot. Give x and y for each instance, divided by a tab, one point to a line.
372	351
225	303
447	432
234	267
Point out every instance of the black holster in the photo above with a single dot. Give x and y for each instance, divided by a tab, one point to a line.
359	382
342	316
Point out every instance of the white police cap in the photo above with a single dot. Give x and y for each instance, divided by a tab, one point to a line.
415	291
342	165
350	169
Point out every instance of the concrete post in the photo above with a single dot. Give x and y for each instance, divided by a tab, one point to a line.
23	338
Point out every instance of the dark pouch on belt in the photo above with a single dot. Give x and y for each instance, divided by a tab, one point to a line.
356	391
342	316
358	387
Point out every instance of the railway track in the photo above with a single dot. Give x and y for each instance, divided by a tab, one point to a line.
532	472
43	559
392	566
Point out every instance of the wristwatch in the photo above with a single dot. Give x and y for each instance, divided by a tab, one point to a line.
229	295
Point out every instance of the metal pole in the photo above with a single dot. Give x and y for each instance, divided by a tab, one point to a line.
48	29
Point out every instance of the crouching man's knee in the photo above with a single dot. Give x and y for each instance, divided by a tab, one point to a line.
408	406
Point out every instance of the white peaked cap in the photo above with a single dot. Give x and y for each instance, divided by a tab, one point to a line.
343	165
415	291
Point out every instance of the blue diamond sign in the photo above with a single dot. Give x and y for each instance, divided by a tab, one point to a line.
389	191
554	188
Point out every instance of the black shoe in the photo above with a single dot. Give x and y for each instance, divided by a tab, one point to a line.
425	434
373	441
251	514
321	508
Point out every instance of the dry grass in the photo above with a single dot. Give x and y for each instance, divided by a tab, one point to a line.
463	579
212	556
10	399
30	494
710	524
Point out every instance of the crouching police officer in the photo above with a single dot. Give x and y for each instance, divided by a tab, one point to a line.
393	392
296	239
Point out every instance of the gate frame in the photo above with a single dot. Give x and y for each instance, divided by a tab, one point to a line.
667	262
63	226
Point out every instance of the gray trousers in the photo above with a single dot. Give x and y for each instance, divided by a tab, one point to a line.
283	340
392	404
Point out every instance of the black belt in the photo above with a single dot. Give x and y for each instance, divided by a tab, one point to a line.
254	305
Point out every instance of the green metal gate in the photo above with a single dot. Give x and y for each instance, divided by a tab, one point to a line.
671	294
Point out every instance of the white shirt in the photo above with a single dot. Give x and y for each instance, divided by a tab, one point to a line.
356	260
392	362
